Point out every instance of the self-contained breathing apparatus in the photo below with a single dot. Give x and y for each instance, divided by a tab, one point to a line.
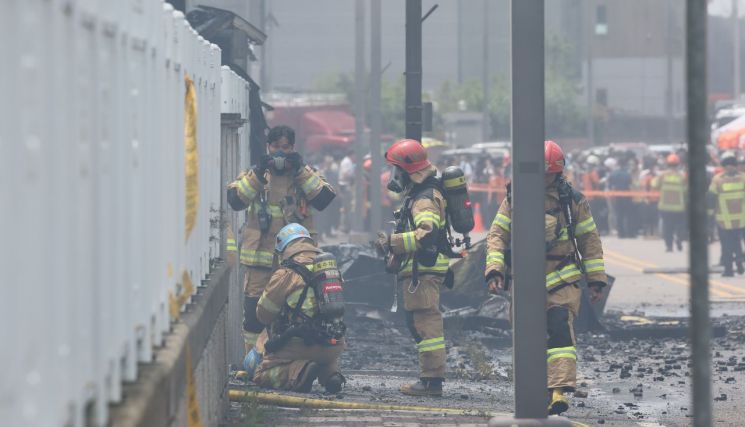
553	228
326	326
459	218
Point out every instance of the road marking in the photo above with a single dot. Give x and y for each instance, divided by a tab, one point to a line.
638	266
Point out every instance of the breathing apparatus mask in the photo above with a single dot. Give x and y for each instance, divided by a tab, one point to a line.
399	180
279	162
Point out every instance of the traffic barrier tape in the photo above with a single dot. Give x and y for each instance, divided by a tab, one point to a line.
590	194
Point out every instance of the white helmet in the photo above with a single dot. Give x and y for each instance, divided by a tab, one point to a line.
610	163
593	160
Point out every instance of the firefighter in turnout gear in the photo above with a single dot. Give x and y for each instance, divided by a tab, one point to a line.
671	184
573	247
728	190
420	267
279	190
302	307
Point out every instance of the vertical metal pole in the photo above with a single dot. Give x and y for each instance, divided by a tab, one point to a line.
259	18
485	78
529	290
360	100
669	69
375	116
460	42
414	69
735	50
696	15
590	10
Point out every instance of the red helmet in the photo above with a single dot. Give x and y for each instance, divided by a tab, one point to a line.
554	157
672	159
408	154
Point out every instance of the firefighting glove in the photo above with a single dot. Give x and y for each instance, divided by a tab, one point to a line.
295	161
495	282
383	244
595	290
260	169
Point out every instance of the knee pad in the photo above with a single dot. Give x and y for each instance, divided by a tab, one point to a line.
559	334
250	322
412	328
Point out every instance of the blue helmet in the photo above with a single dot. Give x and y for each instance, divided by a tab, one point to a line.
288	233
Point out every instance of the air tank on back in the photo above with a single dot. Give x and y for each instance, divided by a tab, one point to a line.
459	202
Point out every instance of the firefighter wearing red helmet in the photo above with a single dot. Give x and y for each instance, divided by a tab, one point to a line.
573	249
420	269
671	184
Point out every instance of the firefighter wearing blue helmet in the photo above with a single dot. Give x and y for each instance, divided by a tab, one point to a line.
302	309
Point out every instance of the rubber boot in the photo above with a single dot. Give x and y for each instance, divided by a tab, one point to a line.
334	383
431	387
305	379
559	402
728	271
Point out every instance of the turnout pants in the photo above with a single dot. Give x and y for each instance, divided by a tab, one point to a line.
731	247
673	224
424	321
562	308
255	280
280	370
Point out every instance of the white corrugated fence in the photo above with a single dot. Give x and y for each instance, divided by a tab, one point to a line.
96	260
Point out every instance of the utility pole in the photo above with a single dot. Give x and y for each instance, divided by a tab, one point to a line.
698	134
360	100
414	69
258	15
669	70
376	125
529	291
459	5
590	19
736	49
485	80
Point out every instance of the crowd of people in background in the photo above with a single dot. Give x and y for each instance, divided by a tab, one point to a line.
592	171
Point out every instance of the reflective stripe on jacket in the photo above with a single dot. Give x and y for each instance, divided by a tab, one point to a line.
672	187
729	190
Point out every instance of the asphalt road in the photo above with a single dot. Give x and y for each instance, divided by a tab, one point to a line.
628	383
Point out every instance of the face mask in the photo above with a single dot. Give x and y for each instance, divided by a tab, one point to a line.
394	186
278	162
398	181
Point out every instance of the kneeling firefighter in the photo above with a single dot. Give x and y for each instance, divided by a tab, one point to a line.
302	307
573	248
279	190
417	252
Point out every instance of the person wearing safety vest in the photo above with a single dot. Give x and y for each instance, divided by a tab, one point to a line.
728	189
671	184
295	361
280	189
421	282
566	261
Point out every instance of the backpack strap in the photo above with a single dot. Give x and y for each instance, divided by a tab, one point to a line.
307	276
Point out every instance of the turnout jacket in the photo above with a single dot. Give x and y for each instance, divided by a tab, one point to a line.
561	266
672	187
729	203
288	198
427	213
286	286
